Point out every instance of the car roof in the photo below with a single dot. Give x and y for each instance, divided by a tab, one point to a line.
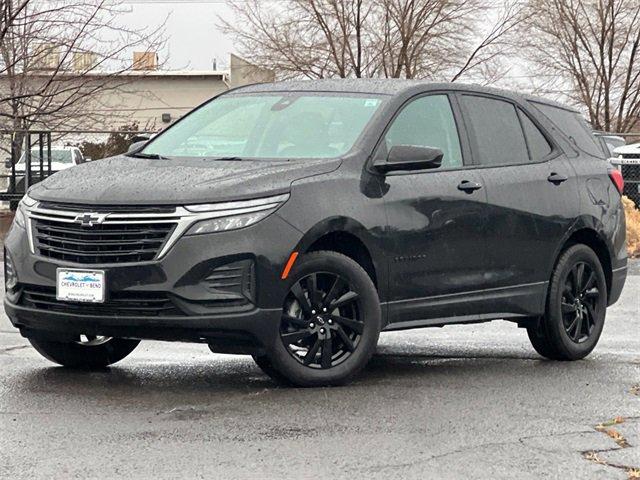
57	147
385	86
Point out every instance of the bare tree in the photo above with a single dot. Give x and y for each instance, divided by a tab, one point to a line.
438	39
589	50
57	57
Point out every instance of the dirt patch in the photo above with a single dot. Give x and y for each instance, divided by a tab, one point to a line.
633	227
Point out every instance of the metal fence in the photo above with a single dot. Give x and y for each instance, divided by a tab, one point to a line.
22	145
30	156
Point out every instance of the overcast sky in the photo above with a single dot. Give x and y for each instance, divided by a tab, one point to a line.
193	40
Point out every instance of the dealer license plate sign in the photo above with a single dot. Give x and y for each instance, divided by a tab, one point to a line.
80	285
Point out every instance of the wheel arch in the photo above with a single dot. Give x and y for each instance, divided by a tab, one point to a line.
589	236
350	238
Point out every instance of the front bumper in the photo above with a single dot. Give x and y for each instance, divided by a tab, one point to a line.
244	332
202	315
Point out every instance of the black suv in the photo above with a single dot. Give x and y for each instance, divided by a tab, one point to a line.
296	221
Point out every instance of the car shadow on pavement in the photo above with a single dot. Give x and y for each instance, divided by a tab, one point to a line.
140	380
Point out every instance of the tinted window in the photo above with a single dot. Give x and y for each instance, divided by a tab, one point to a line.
498	135
539	147
427	122
574	126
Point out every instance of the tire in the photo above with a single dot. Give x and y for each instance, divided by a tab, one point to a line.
538	339
90	356
576	307
266	366
347	329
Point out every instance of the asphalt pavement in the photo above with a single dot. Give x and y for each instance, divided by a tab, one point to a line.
458	402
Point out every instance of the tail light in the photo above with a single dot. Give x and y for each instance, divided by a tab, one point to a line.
616	177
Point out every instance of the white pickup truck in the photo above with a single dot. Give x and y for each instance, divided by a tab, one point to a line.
62	157
627	160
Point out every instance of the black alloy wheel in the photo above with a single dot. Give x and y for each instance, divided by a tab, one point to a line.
329	325
576	307
580	300
321	324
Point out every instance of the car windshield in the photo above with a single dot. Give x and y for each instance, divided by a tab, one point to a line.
269	126
57	156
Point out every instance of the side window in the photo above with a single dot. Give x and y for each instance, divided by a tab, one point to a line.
572	125
539	147
427	122
499	139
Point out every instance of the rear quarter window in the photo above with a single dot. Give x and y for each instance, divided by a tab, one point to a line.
539	147
573	126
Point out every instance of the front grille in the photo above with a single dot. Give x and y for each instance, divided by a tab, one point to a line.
631	176
132	304
631	173
122	237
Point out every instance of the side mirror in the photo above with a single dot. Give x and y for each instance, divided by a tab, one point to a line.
410	157
134	147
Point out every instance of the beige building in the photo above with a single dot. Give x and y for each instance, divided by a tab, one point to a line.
155	98
150	97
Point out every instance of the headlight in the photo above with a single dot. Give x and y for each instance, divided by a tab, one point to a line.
26	201
227	223
220	217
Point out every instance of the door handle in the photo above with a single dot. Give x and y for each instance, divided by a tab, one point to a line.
469	187
557	178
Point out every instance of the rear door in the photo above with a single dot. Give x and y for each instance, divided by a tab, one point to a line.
532	192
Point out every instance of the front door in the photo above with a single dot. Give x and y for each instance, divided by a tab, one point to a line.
436	218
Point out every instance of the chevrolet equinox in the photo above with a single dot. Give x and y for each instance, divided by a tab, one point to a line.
296	221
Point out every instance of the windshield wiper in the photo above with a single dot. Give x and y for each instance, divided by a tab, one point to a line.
228	159
152	156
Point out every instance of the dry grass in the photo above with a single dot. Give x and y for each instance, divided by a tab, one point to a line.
633	227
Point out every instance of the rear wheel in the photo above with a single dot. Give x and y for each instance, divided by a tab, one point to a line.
330	323
86	352
576	307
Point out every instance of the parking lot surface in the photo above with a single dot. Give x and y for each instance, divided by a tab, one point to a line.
458	402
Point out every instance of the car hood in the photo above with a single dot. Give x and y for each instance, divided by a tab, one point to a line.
626	149
127	180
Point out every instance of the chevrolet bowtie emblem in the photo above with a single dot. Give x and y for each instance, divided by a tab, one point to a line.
90	219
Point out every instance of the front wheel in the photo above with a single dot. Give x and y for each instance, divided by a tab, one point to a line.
330	323
86	352
576	307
